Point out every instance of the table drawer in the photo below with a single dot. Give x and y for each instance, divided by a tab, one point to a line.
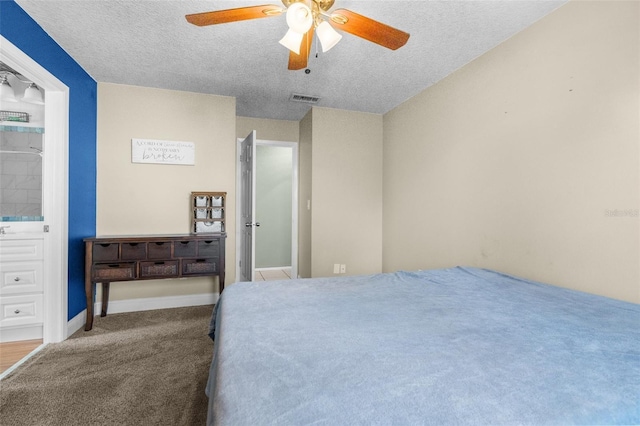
199	266
133	251
184	248
114	272
159	250
105	251
209	248
164	269
20	277
21	310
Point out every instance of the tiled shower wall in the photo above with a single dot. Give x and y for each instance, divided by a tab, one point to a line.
21	174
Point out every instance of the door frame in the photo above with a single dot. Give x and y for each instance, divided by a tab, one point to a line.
55	188
294	200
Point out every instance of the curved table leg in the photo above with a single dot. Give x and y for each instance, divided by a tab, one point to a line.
89	288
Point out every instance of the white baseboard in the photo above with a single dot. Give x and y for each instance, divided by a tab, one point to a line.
151	303
76	323
146	304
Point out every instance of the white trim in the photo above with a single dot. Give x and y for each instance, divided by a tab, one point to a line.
55	187
77	322
147	304
273	268
152	303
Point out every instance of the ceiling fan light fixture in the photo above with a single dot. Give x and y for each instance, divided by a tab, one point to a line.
33	95
6	91
327	35
292	41
299	17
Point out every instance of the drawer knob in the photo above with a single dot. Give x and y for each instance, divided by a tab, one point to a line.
17	311
16	279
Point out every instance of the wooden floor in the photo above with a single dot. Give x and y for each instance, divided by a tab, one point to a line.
12	352
273	274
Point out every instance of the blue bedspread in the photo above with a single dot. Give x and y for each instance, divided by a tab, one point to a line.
452	346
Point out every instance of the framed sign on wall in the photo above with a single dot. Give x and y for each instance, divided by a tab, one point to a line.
162	152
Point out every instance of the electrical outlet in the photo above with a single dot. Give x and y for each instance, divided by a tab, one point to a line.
343	269
336	268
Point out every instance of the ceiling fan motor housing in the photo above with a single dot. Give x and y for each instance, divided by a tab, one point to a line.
323	5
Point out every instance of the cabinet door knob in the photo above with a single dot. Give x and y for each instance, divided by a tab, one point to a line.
16	279
17	311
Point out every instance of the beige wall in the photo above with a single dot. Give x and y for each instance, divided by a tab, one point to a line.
346	187
516	161
340	178
268	130
135	198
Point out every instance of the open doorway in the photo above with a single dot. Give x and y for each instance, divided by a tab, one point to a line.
34	240
268	243
274	211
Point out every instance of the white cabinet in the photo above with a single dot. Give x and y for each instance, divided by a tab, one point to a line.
21	289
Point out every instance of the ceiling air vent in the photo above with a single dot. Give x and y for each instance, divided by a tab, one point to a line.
307	99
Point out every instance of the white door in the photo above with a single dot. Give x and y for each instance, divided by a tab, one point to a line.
247	153
50	231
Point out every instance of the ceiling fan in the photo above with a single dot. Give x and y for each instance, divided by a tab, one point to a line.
304	17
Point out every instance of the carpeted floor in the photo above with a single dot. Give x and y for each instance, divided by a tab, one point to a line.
140	368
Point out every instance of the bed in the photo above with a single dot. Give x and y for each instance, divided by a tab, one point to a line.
449	346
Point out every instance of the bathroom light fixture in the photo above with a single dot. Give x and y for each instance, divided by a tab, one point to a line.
33	95
6	91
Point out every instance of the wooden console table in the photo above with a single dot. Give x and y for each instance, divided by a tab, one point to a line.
149	257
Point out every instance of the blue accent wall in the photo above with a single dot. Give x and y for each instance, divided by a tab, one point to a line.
18	27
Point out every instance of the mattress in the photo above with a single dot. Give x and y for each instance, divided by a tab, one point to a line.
450	346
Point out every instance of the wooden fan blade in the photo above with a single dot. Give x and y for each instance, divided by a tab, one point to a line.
233	15
368	29
297	62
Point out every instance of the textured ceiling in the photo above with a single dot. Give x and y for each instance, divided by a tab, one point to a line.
149	43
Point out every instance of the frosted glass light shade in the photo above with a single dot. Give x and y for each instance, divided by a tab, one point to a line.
6	91
299	18
292	41
33	95
327	35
